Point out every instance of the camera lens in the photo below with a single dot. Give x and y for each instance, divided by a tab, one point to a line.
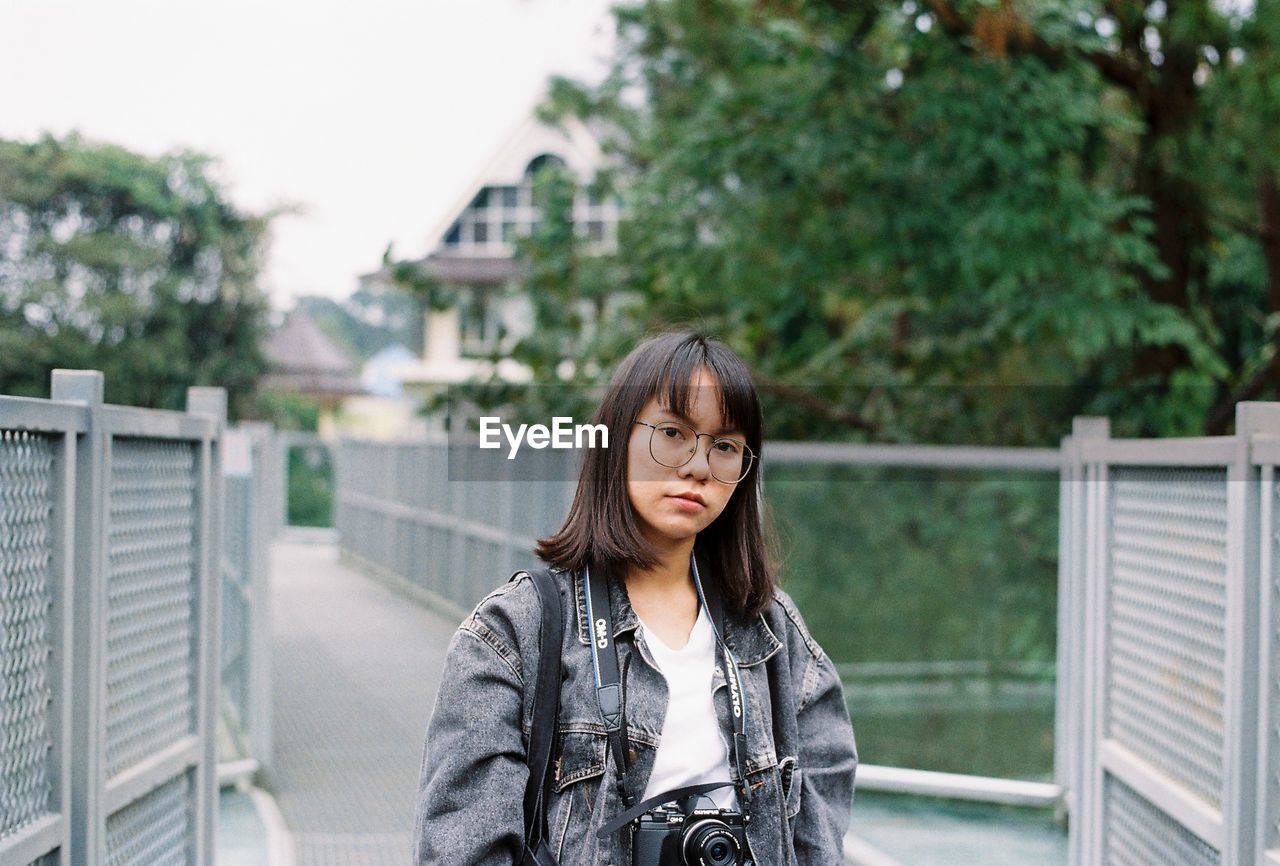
710	843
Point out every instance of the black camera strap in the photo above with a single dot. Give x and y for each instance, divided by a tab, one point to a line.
604	659
604	663
665	797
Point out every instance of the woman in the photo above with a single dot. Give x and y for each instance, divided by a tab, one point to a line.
667	530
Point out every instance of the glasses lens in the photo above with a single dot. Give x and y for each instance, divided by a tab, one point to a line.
728	460
672	444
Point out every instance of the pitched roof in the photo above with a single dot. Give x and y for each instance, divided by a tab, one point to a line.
571	140
302	358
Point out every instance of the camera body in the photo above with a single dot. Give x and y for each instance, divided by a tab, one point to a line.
672	835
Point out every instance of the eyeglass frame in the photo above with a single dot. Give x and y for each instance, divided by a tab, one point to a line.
697	438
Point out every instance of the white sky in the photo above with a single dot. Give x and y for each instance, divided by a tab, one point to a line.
371	114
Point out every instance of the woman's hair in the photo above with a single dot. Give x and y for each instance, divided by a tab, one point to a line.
601	529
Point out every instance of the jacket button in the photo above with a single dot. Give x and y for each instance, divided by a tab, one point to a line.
631	756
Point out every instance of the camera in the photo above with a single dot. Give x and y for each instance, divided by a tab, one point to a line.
691	832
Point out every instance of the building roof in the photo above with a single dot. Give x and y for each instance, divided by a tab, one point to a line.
571	141
471	269
301	358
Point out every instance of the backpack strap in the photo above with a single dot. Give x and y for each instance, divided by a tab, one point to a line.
546	708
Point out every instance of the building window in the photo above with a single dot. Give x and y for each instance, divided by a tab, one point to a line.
499	215
545	160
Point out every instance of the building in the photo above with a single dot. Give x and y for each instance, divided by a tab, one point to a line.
302	360
472	253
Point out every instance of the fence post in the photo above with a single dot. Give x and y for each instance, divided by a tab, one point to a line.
87	828
212	403
1080	639
262	436
1065	740
1245	634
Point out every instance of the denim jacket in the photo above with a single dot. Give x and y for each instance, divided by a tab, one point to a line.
800	759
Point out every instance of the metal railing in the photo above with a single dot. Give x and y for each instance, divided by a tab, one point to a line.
118	536
449	543
254	488
112	521
873	777
1172	573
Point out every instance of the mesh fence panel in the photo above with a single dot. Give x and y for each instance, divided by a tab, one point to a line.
26	513
1139	834
155	830
151	576
1167	600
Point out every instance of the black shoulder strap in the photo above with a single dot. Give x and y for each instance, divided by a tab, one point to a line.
604	663
546	707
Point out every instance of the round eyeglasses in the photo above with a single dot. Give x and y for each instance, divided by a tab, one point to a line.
673	444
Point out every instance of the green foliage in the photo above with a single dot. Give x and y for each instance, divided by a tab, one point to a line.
935	553
878	205
310	486
287	411
132	265
932	566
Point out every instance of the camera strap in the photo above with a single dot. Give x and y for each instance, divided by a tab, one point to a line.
665	797
604	662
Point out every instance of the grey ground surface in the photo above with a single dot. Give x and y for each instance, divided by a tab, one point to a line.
355	668
242	838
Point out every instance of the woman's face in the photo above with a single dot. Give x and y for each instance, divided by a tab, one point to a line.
674	505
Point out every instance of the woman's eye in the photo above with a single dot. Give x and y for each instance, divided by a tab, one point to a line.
671	432
726	446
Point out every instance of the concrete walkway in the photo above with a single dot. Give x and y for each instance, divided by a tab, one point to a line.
355	669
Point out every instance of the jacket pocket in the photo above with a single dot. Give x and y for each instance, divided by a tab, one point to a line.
580	760
789	782
580	756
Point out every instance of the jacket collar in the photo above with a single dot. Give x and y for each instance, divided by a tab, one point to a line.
751	640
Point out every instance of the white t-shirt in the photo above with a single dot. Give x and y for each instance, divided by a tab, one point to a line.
692	750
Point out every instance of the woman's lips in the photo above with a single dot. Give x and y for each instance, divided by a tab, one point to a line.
690	505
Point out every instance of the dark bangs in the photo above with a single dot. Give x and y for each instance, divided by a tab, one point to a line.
601	529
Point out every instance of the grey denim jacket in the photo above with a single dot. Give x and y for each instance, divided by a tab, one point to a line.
800	759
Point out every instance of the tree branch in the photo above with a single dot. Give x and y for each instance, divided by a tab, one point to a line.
1221	415
1113	68
809	400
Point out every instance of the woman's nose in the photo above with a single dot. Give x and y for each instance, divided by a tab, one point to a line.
699	465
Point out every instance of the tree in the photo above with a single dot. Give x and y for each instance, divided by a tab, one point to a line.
136	266
889	208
